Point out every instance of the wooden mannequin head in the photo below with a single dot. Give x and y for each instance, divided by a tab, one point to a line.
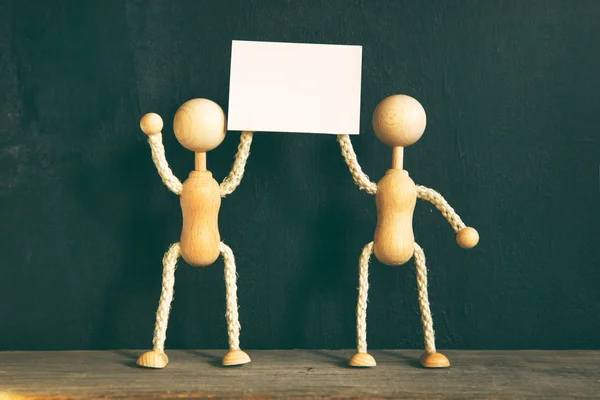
399	120
199	125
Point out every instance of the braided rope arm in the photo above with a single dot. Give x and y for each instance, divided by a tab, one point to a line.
430	195
160	160
424	193
360	178
232	181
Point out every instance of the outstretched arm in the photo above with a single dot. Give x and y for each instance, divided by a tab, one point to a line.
360	178
234	178
152	125
466	237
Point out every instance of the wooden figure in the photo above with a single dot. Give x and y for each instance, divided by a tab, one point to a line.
199	126
399	121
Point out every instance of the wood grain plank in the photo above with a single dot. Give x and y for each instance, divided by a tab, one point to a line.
300	374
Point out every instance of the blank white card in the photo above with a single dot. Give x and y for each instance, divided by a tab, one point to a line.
294	87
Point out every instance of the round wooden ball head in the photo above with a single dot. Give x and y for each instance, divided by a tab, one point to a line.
199	125
399	120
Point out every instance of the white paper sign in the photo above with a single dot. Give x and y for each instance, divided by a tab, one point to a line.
294	87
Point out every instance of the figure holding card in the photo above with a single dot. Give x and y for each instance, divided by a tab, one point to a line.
199	126
399	121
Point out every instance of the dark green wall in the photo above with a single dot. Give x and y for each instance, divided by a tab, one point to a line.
511	89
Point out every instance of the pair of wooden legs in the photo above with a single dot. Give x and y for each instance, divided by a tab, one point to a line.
431	358
157	357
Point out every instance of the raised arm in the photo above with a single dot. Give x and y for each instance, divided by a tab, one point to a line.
231	182
152	125
360	178
466	237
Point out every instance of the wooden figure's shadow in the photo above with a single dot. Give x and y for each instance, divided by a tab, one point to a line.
128	358
210	359
407	360
338	361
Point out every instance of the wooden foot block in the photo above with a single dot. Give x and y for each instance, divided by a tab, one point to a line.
235	357
364	360
434	360
153	359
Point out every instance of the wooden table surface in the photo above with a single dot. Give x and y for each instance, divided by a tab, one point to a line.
300	374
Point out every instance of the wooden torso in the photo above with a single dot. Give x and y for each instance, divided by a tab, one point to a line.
200	203
396	198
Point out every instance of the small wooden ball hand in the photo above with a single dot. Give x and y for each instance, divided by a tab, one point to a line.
399	121
199	126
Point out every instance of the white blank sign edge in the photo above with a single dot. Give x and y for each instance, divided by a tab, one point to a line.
294	87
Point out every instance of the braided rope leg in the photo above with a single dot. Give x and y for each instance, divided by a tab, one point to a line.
426	318
363	294
166	296
231	312
362	358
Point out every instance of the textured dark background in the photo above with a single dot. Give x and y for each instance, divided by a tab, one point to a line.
511	91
